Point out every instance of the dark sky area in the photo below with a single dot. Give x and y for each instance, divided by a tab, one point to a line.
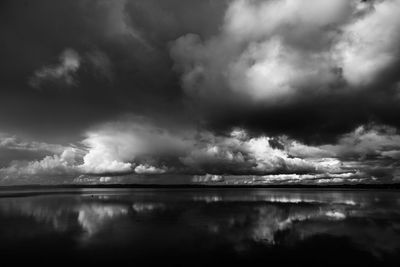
274	91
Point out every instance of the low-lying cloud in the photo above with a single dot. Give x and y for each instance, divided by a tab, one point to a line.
139	146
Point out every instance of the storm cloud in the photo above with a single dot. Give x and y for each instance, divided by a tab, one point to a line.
273	58
274	91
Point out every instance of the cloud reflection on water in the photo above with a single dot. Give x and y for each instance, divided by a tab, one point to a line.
371	220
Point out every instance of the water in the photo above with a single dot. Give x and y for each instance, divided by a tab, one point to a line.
201	227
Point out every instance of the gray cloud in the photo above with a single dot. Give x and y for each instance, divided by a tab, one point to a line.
291	91
367	141
272	58
12	142
139	146
263	52
63	72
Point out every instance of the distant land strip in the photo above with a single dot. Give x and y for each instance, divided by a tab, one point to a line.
189	186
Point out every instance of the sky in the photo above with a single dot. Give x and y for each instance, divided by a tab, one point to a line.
216	91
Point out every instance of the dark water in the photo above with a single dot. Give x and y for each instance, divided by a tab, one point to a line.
202	227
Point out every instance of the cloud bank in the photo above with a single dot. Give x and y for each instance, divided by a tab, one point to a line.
368	154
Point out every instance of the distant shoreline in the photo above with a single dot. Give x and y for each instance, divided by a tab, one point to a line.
37	190
195	186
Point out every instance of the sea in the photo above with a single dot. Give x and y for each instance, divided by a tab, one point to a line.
200	227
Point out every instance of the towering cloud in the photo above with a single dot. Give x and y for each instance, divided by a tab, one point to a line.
138	146
272	57
113	147
272	90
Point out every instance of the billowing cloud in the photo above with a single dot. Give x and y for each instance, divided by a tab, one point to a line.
369	45
113	147
239	153
271	58
279	90
16	152
367	141
139	146
62	164
264	50
148	169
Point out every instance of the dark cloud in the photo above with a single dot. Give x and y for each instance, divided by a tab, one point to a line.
140	147
124	61
262	72
308	89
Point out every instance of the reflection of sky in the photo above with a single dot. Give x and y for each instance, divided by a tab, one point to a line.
371	220
269	217
64	213
93	217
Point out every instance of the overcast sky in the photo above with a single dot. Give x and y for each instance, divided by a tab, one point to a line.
274	91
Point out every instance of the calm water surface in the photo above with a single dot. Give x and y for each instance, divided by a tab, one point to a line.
201	227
